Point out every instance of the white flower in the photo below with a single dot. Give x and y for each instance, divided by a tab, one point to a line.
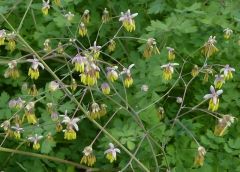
112	152
69	16
170	49
70	122
35	138
212	40
95	47
35	63
17	128
127	16
45	4
79	59
201	150
53	85
214	95
170	66
227	70
30	106
87	150
5	125
127	71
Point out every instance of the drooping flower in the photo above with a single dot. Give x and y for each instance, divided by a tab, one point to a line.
227	72
79	62
17	131
111	153
16	103
209	48
50	107
111	45
11	45
33	71
219	81
54	116
91	74
73	85
32	90
171	53
69	132
105	88
195	71
207	71
45	6
105	16
12	70
199	159
128	21
151	47
60	49
223	124
86	16
214	100
95	50
161	113
128	81
53	86
30	114
94	111
88	157
2	36
168	70
82	29
59	127
47	47
35	139
103	110
69	16
5	125
112	74
227	33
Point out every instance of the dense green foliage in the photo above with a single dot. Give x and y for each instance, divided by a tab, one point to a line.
148	138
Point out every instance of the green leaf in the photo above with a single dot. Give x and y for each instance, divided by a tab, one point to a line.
47	146
131	145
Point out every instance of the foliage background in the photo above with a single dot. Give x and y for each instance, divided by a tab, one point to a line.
184	25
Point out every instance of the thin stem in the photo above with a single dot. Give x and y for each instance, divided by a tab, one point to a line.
47	157
28	7
94	140
72	97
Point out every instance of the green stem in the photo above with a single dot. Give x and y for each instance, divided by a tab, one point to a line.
69	94
46	157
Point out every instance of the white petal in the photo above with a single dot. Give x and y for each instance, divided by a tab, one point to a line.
219	92
107	151
134	15
208	96
117	150
163	66
41	65
212	89
75	120
130	67
75	126
111	145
